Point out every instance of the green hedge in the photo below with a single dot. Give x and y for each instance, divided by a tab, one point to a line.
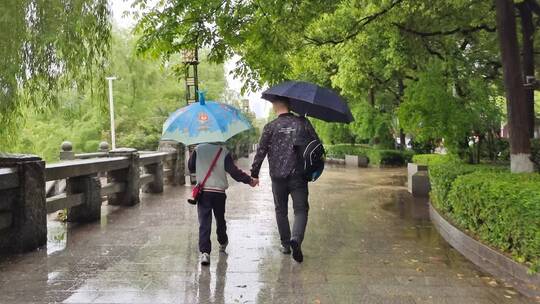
339	151
432	159
502	209
443	174
375	156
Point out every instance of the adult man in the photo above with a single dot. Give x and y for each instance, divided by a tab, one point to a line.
278	142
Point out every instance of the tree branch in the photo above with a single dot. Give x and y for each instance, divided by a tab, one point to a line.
465	31
356	28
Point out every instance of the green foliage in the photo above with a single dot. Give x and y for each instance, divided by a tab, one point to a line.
433	159
373	53
49	47
389	157
144	95
339	151
432	110
377	157
443	174
502	209
334	133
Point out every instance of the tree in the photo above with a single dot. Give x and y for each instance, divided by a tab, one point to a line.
515	92
373	52
48	46
146	92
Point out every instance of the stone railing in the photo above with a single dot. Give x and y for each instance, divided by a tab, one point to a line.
115	176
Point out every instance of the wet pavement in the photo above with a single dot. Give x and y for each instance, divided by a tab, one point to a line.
367	241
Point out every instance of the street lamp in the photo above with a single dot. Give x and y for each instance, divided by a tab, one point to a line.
111	111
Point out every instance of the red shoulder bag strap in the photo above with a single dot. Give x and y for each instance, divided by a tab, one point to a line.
211	167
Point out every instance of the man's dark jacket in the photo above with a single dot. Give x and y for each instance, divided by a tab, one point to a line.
278	140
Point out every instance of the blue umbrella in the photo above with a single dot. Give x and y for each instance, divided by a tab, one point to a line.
311	100
204	122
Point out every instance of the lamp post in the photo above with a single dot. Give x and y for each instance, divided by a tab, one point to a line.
111	111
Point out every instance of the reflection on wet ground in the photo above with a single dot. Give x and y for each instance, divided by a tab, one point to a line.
368	241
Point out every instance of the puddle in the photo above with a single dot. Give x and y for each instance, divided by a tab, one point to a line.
57	233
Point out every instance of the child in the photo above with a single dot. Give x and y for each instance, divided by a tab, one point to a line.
213	194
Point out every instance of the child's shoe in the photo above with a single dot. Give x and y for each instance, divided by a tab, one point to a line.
205	259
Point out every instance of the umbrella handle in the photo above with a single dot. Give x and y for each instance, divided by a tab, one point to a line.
202	97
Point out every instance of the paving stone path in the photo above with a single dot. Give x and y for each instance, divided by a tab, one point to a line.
367	241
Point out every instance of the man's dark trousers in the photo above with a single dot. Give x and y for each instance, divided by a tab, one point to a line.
211	201
297	187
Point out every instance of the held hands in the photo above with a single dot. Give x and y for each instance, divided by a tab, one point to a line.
254	182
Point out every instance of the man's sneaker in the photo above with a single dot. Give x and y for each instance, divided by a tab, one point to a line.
205	259
285	249
297	251
222	247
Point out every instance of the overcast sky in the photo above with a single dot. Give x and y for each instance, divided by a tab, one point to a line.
257	105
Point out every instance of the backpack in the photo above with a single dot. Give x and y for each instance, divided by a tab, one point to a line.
310	155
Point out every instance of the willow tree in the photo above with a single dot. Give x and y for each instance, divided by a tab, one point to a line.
47	46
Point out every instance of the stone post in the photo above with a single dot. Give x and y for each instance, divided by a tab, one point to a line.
129	176
177	165
156	186
412	169
28	229
90	209
67	151
103	146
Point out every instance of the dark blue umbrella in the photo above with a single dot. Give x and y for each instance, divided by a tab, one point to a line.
311	100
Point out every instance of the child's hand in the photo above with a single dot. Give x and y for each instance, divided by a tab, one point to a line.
254	182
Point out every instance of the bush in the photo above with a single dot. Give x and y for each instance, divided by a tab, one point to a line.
375	156
339	151
388	157
433	159
443	174
502	209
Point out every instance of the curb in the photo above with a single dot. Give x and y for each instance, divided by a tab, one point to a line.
488	259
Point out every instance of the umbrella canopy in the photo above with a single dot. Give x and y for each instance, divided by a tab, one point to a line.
204	122
311	100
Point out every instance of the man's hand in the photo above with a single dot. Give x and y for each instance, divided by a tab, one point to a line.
254	182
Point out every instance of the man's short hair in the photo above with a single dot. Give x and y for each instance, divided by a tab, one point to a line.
283	100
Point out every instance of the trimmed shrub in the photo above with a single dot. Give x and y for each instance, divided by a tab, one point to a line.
502	209
443	174
375	156
432	159
339	151
388	157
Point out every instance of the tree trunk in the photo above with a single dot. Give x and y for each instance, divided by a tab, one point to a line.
527	30
520	145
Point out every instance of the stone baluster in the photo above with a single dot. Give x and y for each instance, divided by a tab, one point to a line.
90	209
129	176
67	151
177	164
26	204
155	186
103	146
